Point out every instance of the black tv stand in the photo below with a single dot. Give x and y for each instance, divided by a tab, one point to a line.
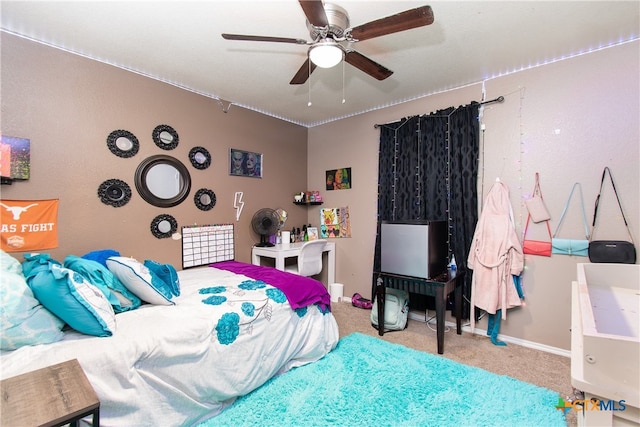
438	287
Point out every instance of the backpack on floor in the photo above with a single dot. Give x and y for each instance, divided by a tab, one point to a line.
396	310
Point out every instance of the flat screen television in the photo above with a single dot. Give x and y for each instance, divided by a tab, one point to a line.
416	249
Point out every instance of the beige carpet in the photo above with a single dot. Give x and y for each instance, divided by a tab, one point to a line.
533	366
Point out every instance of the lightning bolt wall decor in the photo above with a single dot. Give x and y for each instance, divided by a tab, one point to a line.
238	204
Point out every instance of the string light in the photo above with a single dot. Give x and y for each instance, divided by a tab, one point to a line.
521	90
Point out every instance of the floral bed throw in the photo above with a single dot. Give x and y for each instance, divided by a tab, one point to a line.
181	364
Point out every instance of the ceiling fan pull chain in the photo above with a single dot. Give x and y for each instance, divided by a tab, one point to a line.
343	97
309	84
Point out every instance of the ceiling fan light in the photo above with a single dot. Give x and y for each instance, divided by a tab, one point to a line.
326	54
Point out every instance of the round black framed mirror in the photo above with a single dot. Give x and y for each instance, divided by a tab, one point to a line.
200	157
165	137
114	192
123	143
162	181
163	226
205	199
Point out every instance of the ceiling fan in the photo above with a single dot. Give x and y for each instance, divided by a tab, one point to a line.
332	37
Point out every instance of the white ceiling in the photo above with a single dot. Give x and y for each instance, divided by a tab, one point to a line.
179	42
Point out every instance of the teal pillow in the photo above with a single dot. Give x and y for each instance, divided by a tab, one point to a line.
140	280
23	320
119	296
36	260
167	273
72	298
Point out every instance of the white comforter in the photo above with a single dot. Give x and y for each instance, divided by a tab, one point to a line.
166	366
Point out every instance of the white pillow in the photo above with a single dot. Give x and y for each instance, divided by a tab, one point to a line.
139	280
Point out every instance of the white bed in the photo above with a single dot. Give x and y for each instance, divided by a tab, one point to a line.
166	365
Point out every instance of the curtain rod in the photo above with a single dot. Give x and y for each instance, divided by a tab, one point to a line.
498	99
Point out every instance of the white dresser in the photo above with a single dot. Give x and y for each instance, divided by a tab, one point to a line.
605	343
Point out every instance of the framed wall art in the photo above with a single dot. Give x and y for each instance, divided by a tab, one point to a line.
245	163
338	179
335	222
15	157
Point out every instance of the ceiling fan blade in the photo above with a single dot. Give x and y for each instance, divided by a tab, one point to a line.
367	65
262	38
402	21
314	10
303	73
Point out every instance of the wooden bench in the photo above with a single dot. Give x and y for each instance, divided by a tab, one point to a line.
53	396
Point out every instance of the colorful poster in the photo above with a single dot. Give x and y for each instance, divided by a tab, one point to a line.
245	163
338	179
15	157
28	225
335	222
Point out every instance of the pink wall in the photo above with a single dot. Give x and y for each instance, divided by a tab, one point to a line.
566	120
67	106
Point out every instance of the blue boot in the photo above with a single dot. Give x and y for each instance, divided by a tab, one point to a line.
490	323
494	328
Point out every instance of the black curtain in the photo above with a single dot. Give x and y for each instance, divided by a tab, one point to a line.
428	169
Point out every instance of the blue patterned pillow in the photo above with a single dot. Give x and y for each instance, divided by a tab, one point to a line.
140	280
23	320
101	256
119	296
167	273
72	298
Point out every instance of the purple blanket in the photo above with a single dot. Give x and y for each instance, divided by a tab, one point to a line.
300	291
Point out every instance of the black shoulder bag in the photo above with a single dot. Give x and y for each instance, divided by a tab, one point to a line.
611	251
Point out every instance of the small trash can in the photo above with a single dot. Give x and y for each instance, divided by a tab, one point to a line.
336	291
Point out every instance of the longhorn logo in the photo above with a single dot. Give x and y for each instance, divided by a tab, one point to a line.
16	211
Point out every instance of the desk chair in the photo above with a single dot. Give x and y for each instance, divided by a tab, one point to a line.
309	259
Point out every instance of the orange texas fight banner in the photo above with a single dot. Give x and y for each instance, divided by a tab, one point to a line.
28	225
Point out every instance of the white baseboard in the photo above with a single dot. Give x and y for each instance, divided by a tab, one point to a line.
465	328
483	332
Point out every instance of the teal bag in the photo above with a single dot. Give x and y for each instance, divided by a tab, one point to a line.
571	247
396	310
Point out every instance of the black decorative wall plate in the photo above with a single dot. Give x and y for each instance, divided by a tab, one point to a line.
205	199
114	192
163	226
123	143
200	157
165	137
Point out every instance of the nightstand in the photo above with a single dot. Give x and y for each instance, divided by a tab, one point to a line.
53	396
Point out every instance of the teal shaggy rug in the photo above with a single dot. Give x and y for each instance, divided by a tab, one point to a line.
368	381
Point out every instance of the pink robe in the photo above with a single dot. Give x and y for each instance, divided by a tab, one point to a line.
495	255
